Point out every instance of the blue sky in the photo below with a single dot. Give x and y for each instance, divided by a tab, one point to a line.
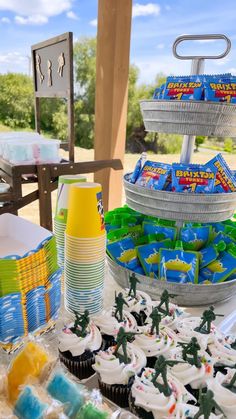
155	25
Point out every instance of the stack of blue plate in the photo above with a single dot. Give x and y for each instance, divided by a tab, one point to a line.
54	293
36	308
11	317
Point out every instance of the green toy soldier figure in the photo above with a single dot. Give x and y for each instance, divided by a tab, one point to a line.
207	403
160	367
208	316
156	320
192	349
119	303
122	340
82	321
165	299
133	284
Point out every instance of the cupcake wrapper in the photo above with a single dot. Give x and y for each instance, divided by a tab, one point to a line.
81	369
193	391
117	393
139	411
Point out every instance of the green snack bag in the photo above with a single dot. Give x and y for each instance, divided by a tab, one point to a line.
150	238
223	267
211	253
169	232
195	237
149	256
178	265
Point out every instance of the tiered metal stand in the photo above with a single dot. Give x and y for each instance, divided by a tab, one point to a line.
190	119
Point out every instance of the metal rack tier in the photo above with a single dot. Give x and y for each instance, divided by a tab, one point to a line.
204	208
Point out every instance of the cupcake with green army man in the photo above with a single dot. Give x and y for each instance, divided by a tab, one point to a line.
139	304
110	321
78	344
117	366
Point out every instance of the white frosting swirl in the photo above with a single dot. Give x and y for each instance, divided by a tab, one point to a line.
187	411
142	302
176	313
109	325
148	397
69	341
225	398
221	351
186	327
155	345
113	371
189	374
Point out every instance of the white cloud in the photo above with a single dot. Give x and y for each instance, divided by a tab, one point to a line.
12	58
146	9
222	61
93	22
160	46
232	70
5	20
31	20
72	15
35	12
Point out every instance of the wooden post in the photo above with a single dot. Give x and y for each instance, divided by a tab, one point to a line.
113	46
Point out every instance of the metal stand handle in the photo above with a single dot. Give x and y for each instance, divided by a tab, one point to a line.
197	68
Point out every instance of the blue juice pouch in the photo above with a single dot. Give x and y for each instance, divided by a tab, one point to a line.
134	176
178	265
221	90
154	175
149	256
222	268
169	232
224	237
150	238
124	253
195	237
211	253
193	178
183	88
134	232
225	181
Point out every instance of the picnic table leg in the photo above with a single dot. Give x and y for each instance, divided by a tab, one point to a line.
45	203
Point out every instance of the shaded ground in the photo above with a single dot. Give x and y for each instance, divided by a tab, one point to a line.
31	211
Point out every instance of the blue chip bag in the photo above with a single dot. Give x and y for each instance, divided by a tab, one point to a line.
221	90
158	93
225	181
134	176
183	88
193	178
154	175
169	232
124	253
195	237
178	266
149	256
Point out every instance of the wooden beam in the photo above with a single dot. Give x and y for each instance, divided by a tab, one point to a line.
113	47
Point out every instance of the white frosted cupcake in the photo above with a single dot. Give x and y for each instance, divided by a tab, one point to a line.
186	330
115	376
109	325
222	353
77	352
176	314
146	401
225	398
139	306
154	345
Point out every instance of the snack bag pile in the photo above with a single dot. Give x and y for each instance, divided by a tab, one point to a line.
195	253
214	88
213	177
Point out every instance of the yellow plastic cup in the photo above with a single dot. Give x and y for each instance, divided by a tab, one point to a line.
85	211
64	183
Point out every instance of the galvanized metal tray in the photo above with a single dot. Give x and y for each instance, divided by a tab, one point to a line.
188	295
189	117
180	206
